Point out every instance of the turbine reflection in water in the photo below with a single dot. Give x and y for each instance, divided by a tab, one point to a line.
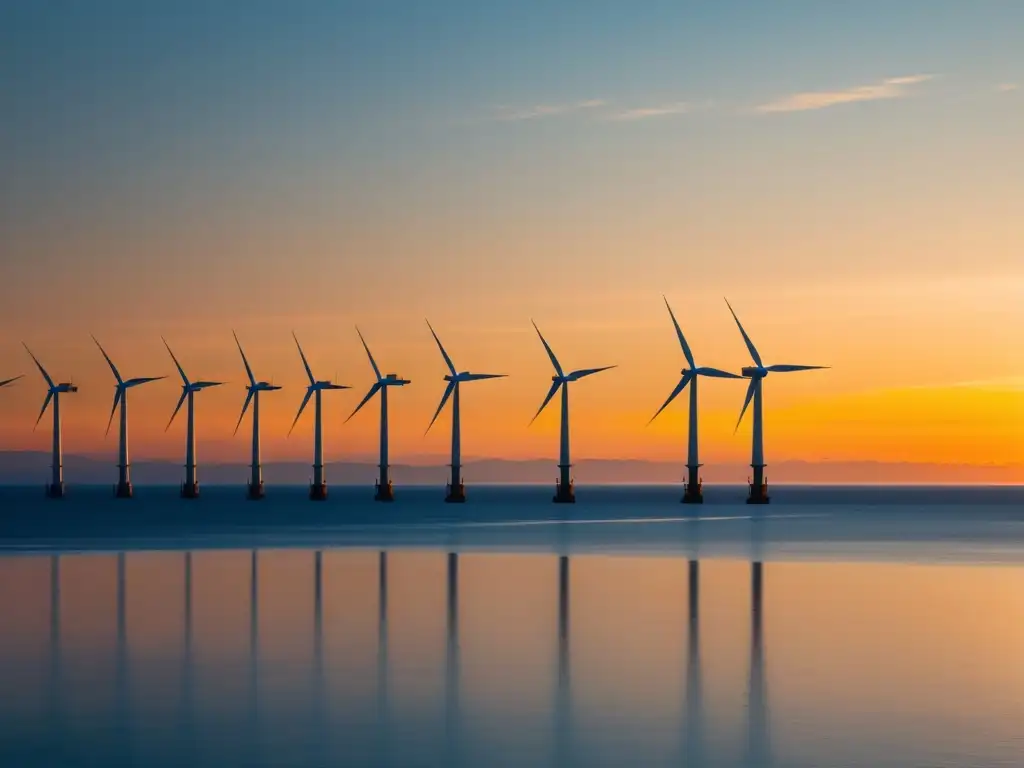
216	723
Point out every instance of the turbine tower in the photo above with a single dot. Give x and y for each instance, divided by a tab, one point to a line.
124	482
253	395
756	374
318	488
565	493
55	490
456	489
190	488
385	492
693	492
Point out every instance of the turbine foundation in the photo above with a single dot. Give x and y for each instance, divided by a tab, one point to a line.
123	490
565	493
693	488
759	487
384	492
55	491
565	488
190	490
256	491
456	494
318	491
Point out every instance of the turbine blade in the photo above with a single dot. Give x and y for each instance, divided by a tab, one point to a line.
444	399
447	360
792	368
365	400
181	371
716	373
551	393
675	393
205	384
46	403
305	400
117	399
147	380
554	360
10	381
682	339
746	402
584	372
248	370
39	365
181	402
305	364
746	339
109	362
337	386
482	376
376	370
245	407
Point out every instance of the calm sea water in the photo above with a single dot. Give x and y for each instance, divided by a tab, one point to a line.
837	627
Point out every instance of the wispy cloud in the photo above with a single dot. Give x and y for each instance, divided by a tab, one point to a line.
642	113
891	88
545	110
1007	87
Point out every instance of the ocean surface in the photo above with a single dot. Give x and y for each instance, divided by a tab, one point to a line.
835	627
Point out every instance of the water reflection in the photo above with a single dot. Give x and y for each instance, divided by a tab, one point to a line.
757	733
530	690
451	676
694	755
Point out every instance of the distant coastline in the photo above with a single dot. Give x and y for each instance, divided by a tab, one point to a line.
31	467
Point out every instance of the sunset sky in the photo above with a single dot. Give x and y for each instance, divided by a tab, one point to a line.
849	175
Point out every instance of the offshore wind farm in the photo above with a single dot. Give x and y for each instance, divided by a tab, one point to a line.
384	487
585	520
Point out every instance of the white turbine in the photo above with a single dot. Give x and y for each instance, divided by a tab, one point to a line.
55	490
385	491
757	374
190	490
318	489
253	396
694	492
124	482
564	490
456	488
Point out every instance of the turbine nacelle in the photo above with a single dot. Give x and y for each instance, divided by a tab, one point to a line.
760	370
60	388
187	387
561	379
390	380
454	378
689	374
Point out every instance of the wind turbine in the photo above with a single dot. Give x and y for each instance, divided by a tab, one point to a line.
55	490
124	483
190	490
456	488
757	374
565	493
693	493
318	489
384	490
253	396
